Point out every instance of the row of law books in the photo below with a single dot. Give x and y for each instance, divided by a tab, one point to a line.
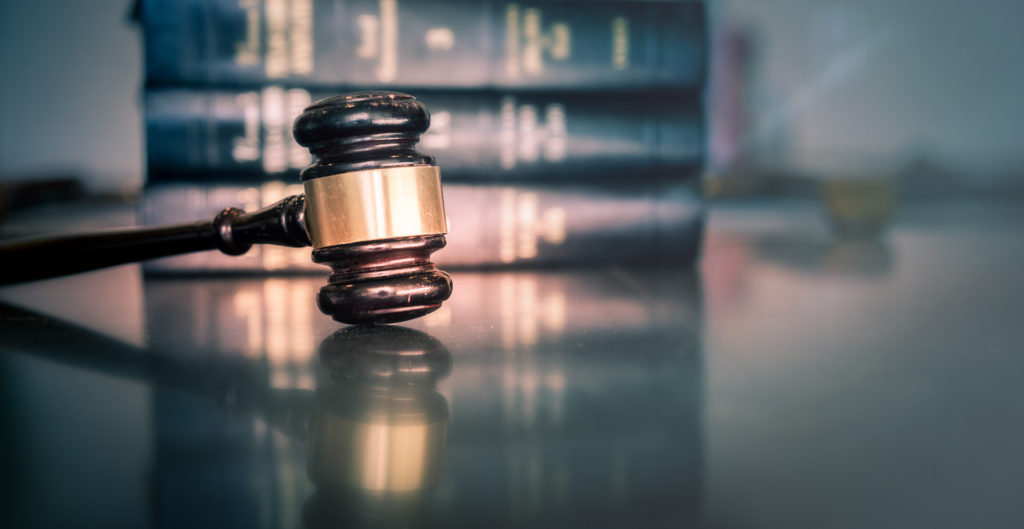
567	132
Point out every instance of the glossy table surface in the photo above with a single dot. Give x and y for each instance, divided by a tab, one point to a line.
795	380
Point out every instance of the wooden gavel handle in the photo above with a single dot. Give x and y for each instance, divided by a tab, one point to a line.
232	231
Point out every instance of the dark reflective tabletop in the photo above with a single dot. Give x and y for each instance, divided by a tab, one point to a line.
795	380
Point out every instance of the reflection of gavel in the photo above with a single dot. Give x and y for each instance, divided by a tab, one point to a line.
375	427
378	432
372	210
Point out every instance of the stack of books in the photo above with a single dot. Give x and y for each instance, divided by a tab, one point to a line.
567	132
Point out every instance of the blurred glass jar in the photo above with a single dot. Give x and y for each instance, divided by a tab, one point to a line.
859	206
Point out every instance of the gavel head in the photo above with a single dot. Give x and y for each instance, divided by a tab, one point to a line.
374	209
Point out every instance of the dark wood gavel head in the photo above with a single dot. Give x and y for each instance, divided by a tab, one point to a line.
374	209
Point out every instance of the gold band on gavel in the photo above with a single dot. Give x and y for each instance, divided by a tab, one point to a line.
374	204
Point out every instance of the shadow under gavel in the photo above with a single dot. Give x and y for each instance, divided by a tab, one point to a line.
372	210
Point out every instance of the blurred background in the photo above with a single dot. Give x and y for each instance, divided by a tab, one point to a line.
80	91
921	91
755	263
918	91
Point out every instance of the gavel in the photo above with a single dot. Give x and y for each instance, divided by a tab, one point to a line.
372	210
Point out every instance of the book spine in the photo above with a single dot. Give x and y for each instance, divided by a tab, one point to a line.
597	45
488	225
245	136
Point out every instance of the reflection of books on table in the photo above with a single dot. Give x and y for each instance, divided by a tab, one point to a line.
536	384
562	313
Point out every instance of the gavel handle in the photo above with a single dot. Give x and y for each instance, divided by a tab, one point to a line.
232	231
